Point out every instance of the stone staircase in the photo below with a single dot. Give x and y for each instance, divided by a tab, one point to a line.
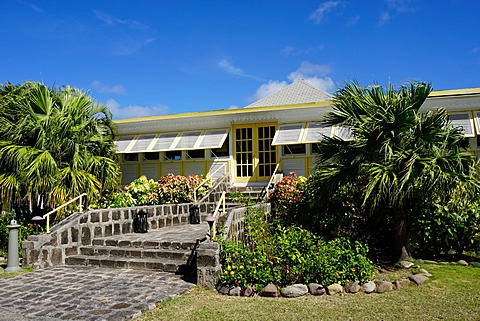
169	249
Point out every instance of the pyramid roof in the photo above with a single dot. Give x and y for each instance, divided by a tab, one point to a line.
300	92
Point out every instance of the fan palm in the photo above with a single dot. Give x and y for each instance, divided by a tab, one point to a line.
399	156
54	144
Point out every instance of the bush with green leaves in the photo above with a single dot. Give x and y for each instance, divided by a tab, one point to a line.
287	255
140	189
176	189
24	231
287	199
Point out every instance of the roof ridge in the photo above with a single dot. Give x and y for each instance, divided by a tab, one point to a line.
297	92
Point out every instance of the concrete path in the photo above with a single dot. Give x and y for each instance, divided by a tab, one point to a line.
85	293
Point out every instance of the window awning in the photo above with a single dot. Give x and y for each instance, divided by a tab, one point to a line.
465	121
315	132
213	138
288	134
301	133
477	122
343	132
201	139
122	143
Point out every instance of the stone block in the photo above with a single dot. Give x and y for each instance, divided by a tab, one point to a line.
352	287
53	240
86	236
168	221
94	217
116	215
72	250
74	234
418	279
270	290
105	217
108	230
161	223
84	219
153	225
150	211
176	221
174	209
127	228
97	231
402	283
57	256
64	238
116	229
383	286
334	289
294	291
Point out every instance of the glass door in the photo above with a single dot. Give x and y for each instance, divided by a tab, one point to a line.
255	157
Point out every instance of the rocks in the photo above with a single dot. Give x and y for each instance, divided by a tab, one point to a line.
249	291
235	291
294	291
462	262
402	283
424	272
419	279
269	291
334	289
369	287
476	264
352	287
383	286
316	289
406	264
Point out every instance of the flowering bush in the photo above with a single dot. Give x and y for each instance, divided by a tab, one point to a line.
24	231
175	189
287	198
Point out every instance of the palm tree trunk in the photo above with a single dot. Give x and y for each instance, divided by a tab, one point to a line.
400	238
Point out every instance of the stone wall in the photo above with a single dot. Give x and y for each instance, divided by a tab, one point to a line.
80	229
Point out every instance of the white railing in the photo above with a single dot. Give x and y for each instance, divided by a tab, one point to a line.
270	185
216	214
208	177
47	216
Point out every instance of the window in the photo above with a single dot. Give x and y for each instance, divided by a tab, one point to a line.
296	149
164	141
316	132
152	156
222	151
173	155
130	157
187	140
195	153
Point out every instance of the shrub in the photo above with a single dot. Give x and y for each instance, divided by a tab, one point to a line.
140	189
175	189
287	199
24	231
287	255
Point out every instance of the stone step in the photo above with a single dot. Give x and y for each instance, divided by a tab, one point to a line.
153	264
144	244
133	252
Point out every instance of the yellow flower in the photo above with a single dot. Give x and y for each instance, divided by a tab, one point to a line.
232	273
241	266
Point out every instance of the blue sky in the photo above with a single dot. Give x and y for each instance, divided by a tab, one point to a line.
161	57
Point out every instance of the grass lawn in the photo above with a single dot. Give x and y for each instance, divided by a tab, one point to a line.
452	293
3	274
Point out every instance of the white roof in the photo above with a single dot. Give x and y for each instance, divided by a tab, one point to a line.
300	92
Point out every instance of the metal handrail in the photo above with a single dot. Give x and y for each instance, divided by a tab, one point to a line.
216	213
47	216
209	176
268	187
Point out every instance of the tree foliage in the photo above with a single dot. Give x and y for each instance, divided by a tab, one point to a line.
399	160
55	143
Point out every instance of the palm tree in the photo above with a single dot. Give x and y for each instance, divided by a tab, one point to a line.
398	158
54	145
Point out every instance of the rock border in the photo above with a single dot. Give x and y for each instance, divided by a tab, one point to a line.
352	287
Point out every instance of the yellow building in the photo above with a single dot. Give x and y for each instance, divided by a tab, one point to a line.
282	129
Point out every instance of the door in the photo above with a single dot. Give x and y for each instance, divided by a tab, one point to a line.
255	157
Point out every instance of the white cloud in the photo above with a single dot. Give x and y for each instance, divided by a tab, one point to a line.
226	66
384	18
270	87
290	51
114	21
119	112
402	5
115	89
318	16
314	74
354	21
